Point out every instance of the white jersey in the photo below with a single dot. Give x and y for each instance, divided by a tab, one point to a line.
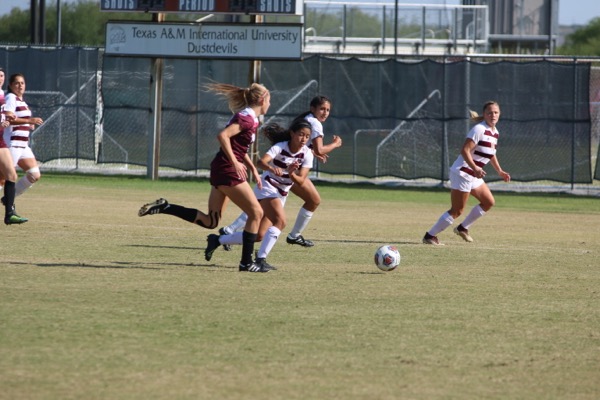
316	128
282	157
17	135
486	142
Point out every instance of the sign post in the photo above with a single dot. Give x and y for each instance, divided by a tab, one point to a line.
158	40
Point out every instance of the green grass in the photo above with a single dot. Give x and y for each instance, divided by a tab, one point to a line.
97	303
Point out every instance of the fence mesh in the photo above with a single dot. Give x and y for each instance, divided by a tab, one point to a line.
399	119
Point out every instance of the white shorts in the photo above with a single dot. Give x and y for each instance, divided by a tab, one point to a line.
464	183
269	192
20	153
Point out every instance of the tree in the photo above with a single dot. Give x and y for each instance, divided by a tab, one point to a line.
82	23
585	41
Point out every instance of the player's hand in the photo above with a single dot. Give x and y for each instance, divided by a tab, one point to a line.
479	173
323	158
241	170
293	166
337	141
505	176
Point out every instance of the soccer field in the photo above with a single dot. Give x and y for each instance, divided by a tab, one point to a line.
97	303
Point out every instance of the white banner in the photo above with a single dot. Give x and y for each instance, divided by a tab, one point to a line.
239	41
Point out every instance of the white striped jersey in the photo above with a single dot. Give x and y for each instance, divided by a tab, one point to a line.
486	142
282	157
21	110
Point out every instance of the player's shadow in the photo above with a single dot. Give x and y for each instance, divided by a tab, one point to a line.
165	247
113	265
373	242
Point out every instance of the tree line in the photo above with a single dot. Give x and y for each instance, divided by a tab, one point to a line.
83	24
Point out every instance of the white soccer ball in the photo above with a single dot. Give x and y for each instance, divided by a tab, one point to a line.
387	257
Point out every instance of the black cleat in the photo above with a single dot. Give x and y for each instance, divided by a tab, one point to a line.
253	267
264	264
211	246
226	247
155	207
299	241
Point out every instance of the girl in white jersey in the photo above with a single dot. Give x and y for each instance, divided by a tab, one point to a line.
2	77
285	165
320	107
466	175
17	134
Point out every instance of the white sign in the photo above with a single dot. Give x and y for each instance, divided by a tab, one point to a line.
239	41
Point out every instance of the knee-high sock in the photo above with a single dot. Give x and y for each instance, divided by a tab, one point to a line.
247	247
476	213
302	221
22	185
268	242
9	197
445	221
234	238
238	224
188	214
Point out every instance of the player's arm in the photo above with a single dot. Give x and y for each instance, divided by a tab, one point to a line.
467	148
299	175
224	138
264	164
255	174
320	149
503	174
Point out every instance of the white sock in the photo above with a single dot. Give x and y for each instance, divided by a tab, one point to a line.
238	224
302	221
445	221
476	213
234	238
22	185
268	242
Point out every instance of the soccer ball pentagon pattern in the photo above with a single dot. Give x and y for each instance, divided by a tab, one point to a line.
387	257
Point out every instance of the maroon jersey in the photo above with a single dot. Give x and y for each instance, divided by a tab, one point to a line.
222	171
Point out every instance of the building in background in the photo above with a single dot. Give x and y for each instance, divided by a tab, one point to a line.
521	26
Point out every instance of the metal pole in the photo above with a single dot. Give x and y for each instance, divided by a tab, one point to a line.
58	23
255	68
156	109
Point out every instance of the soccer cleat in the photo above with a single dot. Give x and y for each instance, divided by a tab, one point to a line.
253	267
211	246
430	239
222	231
299	240
153	208
263	263
12	219
463	233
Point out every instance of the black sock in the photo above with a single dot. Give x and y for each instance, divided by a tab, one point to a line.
188	214
9	197
248	240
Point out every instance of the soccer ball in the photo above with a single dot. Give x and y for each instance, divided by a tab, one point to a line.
387	257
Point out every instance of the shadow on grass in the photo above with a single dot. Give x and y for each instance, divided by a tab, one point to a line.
373	242
114	265
164	247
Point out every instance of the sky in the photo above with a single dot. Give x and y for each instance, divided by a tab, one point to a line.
570	12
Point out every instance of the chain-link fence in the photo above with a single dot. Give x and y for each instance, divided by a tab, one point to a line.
402	121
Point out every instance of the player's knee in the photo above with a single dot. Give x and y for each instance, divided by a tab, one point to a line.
33	174
488	204
455	212
255	214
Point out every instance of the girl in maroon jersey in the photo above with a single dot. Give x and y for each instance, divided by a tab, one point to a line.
466	175
229	170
